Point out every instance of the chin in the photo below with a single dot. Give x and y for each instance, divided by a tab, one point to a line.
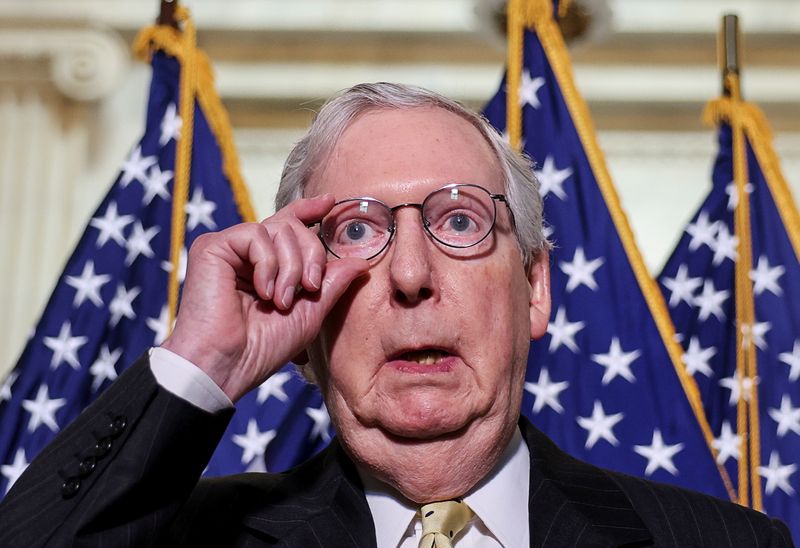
424	420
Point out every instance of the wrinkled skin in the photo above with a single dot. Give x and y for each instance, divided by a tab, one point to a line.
431	431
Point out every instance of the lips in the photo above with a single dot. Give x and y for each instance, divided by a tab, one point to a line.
423	360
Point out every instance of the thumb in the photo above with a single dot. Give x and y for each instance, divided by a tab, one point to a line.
339	274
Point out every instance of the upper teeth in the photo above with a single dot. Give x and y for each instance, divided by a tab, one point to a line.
425	357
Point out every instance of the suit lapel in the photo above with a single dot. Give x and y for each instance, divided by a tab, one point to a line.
320	504
572	503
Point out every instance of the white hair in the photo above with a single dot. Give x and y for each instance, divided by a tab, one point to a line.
312	151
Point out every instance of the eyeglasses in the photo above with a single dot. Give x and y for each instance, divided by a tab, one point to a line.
457	216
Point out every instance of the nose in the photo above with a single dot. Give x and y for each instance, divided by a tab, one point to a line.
411	268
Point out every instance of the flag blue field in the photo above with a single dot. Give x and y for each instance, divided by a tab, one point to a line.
698	282
110	303
602	382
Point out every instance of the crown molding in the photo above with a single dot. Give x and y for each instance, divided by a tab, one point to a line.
84	63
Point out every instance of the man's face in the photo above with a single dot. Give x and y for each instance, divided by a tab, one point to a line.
471	315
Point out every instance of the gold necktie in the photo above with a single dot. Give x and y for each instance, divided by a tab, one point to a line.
441	521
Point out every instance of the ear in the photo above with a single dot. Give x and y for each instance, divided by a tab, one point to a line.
539	280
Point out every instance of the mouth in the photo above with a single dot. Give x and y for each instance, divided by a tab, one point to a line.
425	356
423	360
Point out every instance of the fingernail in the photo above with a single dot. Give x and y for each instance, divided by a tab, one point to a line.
270	288
288	295
315	275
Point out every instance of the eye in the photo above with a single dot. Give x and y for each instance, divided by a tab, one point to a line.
460	222
356	230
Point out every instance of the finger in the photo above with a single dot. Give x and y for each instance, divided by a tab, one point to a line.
314	257
246	249
339	274
290	264
307	210
265	269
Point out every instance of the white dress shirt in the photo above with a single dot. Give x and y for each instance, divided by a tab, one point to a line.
500	503
500	500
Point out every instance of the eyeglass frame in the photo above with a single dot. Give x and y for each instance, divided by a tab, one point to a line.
495	197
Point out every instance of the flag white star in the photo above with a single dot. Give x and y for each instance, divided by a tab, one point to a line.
170	125
159	326
65	347
321	423
103	367
253	442
166	266
257	465
546	392
5	389
138	242
728	444
755	334
766	278
111	225
724	246
135	167
548	231
529	89
581	271
710	301
792	359
682	287
43	409
600	426
777	475
199	211
616	362
122	304
733	193
696	358
13	471
787	417
702	231
658	454
562	331
738	389
155	184
87	285
551	179
273	386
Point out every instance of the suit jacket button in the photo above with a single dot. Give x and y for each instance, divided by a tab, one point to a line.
70	487
117	425
102	447
86	466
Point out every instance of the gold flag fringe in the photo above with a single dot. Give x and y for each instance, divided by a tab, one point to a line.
538	16
196	82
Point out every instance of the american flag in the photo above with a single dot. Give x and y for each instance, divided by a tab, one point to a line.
698	282
601	383
109	305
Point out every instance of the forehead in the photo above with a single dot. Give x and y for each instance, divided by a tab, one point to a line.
404	153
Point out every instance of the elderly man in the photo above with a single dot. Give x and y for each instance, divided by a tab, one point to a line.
406	266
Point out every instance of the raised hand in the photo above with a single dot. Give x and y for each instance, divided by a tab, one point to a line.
256	294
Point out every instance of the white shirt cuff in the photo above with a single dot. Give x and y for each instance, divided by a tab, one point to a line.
187	381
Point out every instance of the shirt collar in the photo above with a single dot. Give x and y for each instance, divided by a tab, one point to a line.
391	512
500	500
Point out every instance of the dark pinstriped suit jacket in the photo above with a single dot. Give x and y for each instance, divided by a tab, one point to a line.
137	486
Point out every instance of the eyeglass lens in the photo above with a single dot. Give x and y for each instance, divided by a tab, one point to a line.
458	216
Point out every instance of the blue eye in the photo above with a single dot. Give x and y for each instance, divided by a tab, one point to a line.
460	222
355	231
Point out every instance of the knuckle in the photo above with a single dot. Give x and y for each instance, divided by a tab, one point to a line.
202	243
